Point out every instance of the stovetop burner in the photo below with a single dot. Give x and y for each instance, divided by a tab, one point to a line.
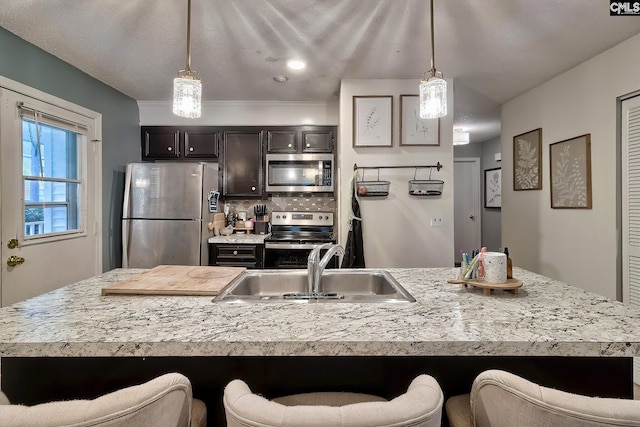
301	227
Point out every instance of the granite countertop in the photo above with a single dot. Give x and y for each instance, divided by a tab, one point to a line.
240	238
546	318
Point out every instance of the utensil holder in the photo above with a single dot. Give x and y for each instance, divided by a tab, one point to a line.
425	187
372	188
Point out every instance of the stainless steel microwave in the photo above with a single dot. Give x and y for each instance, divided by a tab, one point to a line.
300	173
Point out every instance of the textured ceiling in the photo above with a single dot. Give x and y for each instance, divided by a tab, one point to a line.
493	49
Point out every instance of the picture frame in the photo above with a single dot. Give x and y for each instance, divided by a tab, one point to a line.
415	131
493	188
373	121
570	173
527	161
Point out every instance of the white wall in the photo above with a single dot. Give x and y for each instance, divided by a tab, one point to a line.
243	113
560	243
397	231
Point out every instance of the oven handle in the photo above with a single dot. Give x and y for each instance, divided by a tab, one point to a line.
291	245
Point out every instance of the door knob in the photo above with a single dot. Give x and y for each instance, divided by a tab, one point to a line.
472	216
12	243
13	260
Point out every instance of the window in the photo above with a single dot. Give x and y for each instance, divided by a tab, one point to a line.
52	175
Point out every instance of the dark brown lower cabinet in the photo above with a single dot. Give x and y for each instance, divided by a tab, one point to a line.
236	255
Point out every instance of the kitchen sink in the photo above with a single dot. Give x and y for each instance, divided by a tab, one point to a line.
353	285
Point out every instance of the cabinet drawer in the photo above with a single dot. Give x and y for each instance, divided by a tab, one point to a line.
237	252
243	255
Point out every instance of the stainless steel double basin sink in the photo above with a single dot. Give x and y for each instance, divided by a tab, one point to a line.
351	286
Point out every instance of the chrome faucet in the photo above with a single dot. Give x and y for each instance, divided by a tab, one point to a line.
316	265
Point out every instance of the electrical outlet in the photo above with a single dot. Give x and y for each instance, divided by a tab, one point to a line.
437	221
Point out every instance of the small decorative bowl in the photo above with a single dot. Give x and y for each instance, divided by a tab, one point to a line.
226	231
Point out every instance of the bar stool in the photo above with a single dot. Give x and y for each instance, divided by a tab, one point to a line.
420	406
502	399
165	401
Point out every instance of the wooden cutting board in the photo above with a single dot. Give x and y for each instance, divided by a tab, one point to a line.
176	280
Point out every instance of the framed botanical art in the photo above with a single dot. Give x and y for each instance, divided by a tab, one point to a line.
570	168
527	161
413	129
493	188
372	121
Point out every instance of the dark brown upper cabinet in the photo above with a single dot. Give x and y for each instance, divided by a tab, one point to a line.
179	143
242	163
301	139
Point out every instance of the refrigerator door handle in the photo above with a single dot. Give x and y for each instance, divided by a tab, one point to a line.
125	243
127	191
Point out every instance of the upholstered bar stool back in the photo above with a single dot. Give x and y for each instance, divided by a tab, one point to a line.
165	401
420	406
502	399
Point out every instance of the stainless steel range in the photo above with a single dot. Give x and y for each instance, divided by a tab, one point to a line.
294	234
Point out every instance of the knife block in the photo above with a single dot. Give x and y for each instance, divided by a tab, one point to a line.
261	227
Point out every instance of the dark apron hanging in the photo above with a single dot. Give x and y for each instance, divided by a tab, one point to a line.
354	249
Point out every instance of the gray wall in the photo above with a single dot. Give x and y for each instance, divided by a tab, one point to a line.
29	65
491	218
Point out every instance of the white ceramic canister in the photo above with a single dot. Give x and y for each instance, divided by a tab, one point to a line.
495	267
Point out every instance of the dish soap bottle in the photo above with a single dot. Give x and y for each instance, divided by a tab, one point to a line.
509	264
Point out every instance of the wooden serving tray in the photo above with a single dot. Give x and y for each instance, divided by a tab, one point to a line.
176	280
511	285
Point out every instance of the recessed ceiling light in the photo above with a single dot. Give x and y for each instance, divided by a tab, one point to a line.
280	79
296	64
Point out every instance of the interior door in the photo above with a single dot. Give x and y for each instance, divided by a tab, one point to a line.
630	131
466	206
50	196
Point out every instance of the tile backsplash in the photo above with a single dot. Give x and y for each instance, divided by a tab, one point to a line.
277	203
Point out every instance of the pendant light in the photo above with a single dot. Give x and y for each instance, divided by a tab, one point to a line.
433	88
187	88
460	137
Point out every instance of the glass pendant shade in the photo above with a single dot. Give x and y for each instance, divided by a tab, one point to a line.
433	98
187	95
460	137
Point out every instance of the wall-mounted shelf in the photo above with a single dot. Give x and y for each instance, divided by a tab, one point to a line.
417	187
438	166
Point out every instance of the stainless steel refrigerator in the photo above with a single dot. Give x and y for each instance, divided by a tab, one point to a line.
165	213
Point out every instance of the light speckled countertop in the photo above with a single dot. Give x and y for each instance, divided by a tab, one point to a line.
240	238
546	318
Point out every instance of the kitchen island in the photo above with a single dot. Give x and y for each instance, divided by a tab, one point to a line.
549	331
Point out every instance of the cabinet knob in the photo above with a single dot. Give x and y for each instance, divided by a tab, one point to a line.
190	148
169	148
253	188
235	252
308	145
289	145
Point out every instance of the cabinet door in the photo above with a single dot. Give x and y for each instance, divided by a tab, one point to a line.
242	169
282	141
200	144
318	141
160	143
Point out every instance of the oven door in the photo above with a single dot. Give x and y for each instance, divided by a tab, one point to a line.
286	255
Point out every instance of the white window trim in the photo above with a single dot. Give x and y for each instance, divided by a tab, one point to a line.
93	143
